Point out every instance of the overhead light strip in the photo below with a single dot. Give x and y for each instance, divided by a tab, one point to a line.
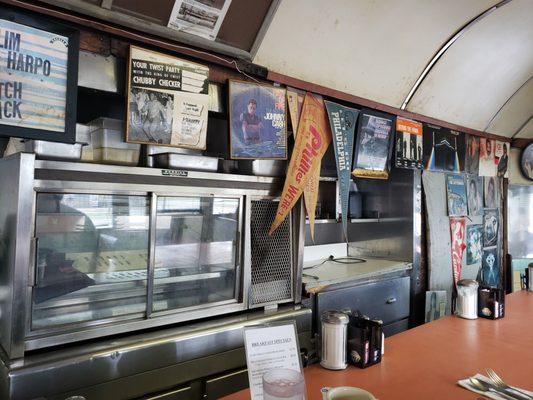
445	47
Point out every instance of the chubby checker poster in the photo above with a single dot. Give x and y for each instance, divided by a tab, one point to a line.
258	121
167	100
375	132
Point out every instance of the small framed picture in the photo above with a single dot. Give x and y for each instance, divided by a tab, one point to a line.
258	121
39	77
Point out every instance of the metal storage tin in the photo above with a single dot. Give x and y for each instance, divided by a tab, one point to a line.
334	340
152	150
185	161
45	150
263	167
109	145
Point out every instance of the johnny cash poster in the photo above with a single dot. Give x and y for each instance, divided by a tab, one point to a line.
258	121
408	146
444	149
167	100
375	132
37	80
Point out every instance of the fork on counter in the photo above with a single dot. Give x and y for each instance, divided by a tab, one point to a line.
499	382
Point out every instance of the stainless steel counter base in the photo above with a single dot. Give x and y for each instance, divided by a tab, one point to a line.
169	363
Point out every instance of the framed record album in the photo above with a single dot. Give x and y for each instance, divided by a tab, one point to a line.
38	77
167	100
258	121
373	149
444	149
408	147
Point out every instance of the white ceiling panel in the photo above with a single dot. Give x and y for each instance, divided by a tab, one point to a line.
515	112
371	49
481	70
526	132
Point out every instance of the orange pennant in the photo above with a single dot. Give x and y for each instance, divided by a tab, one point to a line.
312	140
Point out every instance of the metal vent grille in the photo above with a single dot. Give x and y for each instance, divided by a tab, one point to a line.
272	272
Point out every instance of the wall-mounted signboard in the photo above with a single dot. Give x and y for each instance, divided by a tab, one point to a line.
167	100
38	78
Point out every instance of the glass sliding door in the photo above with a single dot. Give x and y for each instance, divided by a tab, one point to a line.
196	251
91	257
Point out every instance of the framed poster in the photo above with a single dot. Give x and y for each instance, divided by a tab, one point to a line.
258	121
490	267
501	155
456	193
487	161
491	192
474	244
472	155
408	147
526	162
435	304
38	77
474	191
444	149
167	100
373	149
491	226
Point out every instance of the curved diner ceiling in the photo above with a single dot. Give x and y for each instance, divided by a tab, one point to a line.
379	49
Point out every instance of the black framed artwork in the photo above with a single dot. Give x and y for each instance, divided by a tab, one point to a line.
38	77
526	162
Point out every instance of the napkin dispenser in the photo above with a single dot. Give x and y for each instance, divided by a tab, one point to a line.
491	302
364	341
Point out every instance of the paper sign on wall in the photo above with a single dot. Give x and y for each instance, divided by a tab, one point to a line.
312	141
342	121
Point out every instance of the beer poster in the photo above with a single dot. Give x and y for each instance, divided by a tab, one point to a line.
409	148
457	229
167	100
258	121
342	121
312	141
375	132
38	79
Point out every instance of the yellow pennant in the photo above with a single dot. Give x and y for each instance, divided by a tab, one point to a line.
312	140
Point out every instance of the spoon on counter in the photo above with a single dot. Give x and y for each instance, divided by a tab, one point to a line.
485	387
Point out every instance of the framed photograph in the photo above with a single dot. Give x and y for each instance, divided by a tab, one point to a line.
444	149
488	163
502	159
474	244
491	192
490	267
199	17
472	155
258	121
373	149
167	100
38	77
491	226
526	162
474	192
456	193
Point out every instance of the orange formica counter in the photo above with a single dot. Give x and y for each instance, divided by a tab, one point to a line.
426	362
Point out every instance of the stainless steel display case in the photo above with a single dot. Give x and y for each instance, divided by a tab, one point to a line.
89	251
